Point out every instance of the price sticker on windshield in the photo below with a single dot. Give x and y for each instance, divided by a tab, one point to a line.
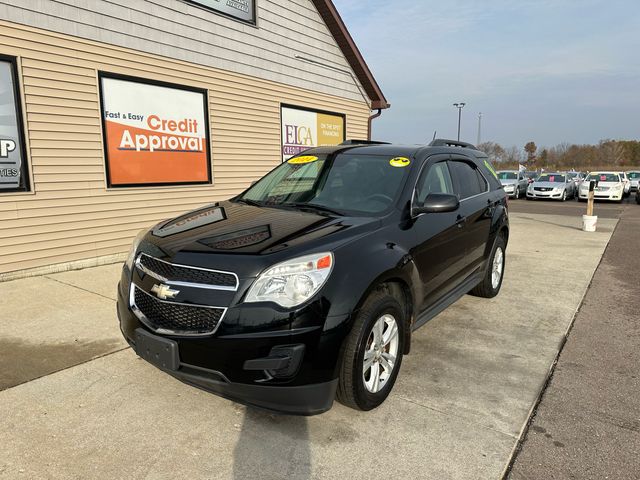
399	162
303	159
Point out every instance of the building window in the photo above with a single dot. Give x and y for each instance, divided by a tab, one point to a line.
14	176
155	133
304	128
244	10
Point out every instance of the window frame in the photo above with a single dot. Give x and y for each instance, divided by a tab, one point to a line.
254	14
102	74
20	121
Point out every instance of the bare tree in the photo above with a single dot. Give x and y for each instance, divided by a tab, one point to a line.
494	151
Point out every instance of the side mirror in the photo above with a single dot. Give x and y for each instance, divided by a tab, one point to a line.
437	203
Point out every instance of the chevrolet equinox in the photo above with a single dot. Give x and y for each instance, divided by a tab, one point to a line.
308	285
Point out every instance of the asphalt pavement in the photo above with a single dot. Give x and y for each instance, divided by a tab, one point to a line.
587	425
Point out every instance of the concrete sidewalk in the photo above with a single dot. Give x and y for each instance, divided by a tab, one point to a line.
462	398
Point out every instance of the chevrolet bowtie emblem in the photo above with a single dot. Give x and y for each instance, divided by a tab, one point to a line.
164	291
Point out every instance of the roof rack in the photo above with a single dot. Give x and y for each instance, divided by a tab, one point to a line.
441	142
363	142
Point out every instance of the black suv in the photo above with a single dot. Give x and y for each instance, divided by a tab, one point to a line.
309	284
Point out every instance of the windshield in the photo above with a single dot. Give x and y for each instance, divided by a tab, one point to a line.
551	177
634	175
603	177
507	175
342	183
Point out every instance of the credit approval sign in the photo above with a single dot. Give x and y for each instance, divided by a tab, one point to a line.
304	128
154	134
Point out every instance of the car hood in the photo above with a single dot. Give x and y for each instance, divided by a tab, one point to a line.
548	184
246	239
507	182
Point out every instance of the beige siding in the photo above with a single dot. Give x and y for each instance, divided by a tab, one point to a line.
180	30
72	215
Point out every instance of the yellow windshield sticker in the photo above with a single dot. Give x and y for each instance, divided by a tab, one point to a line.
490	168
399	162
303	159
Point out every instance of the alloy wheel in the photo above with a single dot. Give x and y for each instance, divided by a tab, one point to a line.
497	267
381	353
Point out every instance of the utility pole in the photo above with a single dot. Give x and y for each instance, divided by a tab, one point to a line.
459	106
479	127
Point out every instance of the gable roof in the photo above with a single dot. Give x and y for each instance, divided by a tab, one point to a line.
338	29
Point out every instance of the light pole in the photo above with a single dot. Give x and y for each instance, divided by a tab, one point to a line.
479	127
459	106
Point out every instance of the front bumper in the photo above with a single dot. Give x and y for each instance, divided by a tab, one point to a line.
224	363
550	194
606	195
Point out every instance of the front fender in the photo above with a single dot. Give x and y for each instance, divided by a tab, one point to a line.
361	268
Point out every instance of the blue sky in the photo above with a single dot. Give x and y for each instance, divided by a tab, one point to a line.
550	71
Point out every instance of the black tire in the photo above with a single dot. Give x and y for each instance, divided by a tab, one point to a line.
564	196
351	387
485	289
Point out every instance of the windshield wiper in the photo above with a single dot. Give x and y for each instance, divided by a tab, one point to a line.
250	202
313	206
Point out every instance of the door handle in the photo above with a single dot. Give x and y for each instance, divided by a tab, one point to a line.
460	221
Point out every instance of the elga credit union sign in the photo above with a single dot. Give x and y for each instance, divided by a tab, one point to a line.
155	134
304	128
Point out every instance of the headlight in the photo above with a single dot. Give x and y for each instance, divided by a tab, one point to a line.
134	248
292	282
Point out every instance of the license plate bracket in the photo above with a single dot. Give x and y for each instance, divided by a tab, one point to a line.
161	352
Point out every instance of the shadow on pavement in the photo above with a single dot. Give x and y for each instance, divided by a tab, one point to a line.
22	361
272	447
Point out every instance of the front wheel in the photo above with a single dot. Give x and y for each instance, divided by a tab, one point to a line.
492	281
564	196
372	353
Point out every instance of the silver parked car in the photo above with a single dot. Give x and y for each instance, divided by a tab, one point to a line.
556	186
514	182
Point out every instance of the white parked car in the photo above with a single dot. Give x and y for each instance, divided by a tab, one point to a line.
610	186
634	179
627	183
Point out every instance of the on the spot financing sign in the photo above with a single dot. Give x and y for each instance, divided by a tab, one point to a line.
305	128
155	134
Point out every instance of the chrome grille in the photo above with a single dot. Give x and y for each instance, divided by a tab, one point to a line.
174	273
178	318
542	189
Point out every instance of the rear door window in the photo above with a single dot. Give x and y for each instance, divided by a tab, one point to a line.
469	181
